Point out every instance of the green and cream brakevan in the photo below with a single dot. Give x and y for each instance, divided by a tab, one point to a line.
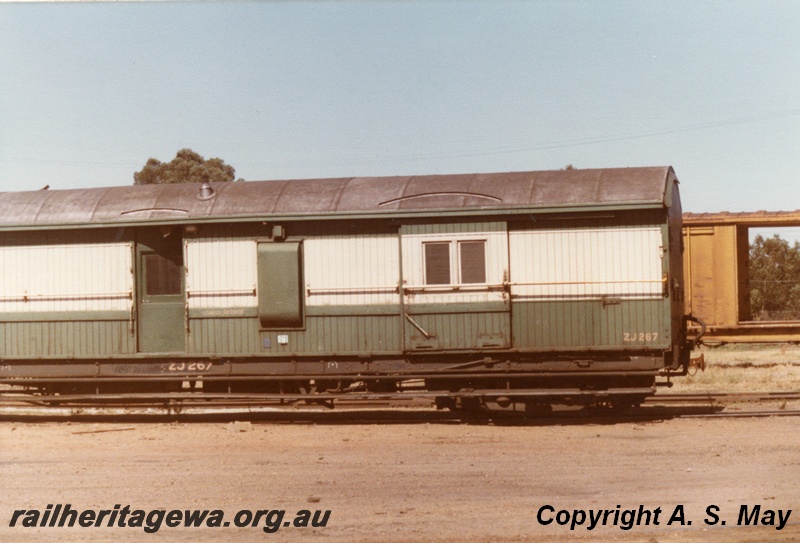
524	288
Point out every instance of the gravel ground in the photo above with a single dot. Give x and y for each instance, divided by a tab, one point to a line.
426	481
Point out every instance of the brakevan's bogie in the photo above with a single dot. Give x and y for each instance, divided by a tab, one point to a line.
527	288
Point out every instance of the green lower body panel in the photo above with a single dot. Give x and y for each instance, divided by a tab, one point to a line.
70	338
162	328
591	324
339	334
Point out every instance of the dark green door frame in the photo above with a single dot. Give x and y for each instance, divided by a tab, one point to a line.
161	292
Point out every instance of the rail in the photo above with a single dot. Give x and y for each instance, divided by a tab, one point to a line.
352	290
59	297
215	293
662	281
476	287
720	397
468	287
417	405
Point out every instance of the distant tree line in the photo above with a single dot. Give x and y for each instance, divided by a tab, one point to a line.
774	279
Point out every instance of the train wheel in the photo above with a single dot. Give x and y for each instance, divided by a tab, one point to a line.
537	409
626	403
471	410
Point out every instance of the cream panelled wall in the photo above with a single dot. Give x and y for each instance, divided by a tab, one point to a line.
352	270
587	263
221	273
55	278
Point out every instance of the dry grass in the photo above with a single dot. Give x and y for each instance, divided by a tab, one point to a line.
745	368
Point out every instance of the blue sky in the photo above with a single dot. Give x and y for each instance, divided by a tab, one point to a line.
88	92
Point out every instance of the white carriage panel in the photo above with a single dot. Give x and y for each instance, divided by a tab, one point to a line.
352	270
221	273
65	278
587	263
496	262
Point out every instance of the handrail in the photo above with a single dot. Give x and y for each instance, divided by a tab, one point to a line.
454	286
201	293
55	297
571	283
351	290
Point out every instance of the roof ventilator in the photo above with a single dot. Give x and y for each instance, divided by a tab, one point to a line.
205	192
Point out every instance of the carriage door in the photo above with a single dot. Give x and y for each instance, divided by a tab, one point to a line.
161	298
455	292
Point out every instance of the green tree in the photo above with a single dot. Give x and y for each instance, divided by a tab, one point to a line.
186	167
774	279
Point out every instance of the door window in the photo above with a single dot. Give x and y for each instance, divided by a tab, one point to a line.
162	275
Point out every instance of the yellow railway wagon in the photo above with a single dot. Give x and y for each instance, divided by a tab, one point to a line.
716	260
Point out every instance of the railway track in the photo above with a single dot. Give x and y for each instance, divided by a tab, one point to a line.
412	409
723	397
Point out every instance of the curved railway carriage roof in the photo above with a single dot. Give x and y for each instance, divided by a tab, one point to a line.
341	197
